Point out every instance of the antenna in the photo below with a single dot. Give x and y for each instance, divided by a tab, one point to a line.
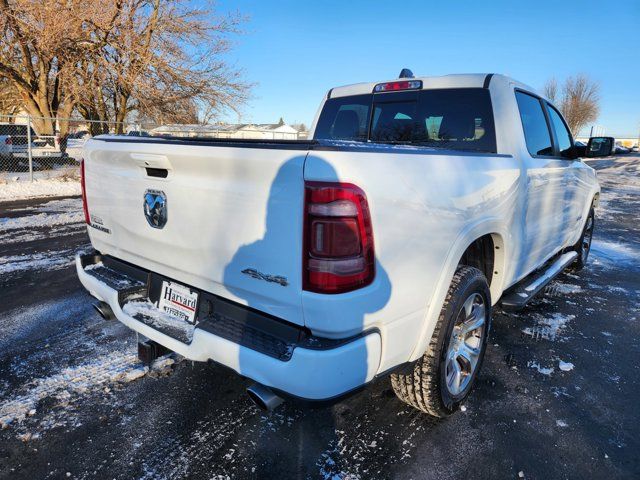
406	73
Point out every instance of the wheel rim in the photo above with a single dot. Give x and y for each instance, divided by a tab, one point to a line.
465	344
586	238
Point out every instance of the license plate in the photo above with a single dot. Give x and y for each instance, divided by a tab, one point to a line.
178	301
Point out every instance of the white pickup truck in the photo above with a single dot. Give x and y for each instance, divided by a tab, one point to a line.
377	248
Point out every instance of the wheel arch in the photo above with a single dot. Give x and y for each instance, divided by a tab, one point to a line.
492	231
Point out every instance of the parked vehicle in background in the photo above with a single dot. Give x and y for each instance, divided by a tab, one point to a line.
6	150
79	135
621	149
634	149
379	247
46	148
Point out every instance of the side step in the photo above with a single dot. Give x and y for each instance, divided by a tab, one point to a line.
521	293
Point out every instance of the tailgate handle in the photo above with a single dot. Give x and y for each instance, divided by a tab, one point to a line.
157	172
149	160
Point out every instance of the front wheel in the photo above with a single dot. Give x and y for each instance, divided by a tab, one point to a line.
583	247
442	379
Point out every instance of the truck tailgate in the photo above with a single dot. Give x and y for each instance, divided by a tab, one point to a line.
233	216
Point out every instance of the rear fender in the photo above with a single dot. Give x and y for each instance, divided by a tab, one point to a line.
492	227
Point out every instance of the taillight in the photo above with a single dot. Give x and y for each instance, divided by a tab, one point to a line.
338	239
8	141
84	194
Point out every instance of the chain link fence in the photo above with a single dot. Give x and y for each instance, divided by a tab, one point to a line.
32	148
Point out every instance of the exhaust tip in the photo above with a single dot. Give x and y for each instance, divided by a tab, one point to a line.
104	310
263	397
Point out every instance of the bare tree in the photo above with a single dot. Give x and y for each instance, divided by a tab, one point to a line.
578	100
551	89
163	61
10	101
40	44
108	59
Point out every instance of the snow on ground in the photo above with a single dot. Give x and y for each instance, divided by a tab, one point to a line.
51	219
13	237
18	187
46	261
41	220
543	370
52	260
549	327
614	252
565	366
66	386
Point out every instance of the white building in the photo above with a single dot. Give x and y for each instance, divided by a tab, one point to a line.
261	131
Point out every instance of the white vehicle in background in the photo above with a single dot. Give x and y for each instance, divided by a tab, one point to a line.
15	139
6	148
377	248
44	148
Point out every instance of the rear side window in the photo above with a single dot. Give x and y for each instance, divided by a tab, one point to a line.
460	118
534	124
345	118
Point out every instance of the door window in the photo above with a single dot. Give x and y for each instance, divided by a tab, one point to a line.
562	133
534	124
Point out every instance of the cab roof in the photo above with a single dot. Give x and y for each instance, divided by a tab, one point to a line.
460	80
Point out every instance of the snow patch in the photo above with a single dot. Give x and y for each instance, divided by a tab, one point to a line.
45	187
113	367
41	220
549	327
38	261
80	379
540	369
565	366
614	252
566	288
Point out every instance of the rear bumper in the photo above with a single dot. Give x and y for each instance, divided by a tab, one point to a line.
311	368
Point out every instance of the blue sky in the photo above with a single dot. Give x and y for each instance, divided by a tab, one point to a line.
295	50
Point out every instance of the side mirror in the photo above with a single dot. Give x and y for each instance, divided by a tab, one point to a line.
599	147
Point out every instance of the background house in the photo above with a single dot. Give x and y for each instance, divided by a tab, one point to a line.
261	131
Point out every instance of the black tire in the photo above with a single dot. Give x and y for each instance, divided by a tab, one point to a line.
583	247
424	384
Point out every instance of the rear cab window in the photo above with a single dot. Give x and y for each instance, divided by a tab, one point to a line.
456	119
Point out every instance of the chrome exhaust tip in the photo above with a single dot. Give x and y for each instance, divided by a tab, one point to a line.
104	310
263	397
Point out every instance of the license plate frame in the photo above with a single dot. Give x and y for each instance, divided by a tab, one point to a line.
179	301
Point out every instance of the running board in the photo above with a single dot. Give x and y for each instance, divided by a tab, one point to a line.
520	294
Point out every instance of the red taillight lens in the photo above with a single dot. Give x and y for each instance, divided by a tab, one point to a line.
338	239
8	141
84	194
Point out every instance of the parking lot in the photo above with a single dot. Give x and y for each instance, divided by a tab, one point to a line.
557	396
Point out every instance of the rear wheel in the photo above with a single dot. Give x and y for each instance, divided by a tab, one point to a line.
583	247
443	378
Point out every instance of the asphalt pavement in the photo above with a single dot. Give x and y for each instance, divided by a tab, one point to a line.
557	396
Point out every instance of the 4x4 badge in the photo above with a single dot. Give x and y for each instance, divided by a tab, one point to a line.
280	280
